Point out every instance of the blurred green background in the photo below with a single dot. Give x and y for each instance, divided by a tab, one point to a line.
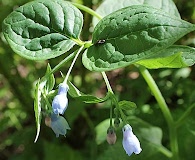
17	121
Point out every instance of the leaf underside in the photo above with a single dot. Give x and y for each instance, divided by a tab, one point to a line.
43	29
132	34
172	57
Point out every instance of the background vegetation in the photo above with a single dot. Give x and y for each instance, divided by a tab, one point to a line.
17	121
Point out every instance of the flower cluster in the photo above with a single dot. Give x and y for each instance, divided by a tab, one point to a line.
130	141
59	104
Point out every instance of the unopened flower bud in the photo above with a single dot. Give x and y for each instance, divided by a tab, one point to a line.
48	121
60	101
116	122
59	125
111	136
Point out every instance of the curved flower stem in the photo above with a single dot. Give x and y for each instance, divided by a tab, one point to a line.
111	108
165	151
165	110
72	64
107	82
87	9
110	91
113	98
58	66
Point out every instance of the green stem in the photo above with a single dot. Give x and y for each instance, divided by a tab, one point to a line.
113	98
165	151
107	82
72	64
58	66
165	110
87	9
88	120
184	116
157	94
111	114
110	91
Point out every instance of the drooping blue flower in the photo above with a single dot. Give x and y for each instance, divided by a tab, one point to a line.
59	125
60	101
130	141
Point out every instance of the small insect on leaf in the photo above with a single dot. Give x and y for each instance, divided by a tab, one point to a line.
101	41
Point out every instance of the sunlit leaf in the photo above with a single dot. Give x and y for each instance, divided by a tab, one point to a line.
173	57
43	29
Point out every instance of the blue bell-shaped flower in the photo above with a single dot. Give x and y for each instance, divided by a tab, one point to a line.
60	101
130	141
59	125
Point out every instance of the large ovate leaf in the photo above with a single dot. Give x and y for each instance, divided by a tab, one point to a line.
43	29
173	57
132	34
109	6
87	98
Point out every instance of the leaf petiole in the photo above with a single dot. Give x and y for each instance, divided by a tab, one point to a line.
72	64
87	9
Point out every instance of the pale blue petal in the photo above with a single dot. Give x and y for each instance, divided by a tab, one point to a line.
63	88
60	104
59	125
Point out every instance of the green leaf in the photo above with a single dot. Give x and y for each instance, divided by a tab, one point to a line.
43	29
55	151
75	93
101	131
109	6
37	108
132	34
50	79
127	105
173	57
